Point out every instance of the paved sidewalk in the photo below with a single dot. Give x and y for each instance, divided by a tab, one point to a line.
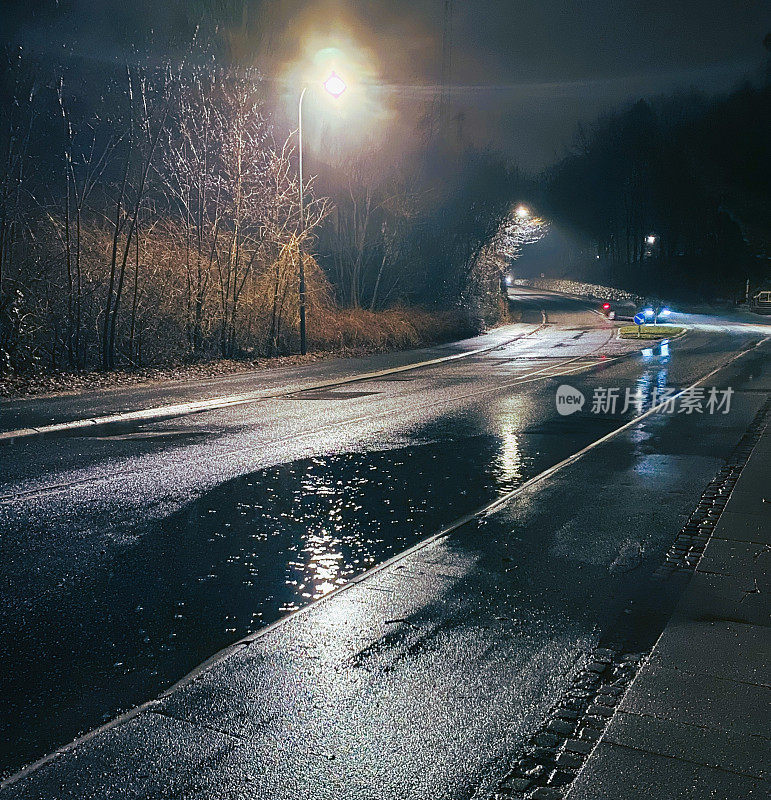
694	723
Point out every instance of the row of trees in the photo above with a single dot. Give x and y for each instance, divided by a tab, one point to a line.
144	218
673	194
150	214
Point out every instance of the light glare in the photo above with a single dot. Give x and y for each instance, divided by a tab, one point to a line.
335	85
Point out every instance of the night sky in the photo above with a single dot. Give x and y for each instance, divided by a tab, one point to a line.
524	73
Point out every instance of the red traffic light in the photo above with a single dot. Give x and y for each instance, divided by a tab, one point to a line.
605	306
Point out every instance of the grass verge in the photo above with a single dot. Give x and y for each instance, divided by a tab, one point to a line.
339	333
650	331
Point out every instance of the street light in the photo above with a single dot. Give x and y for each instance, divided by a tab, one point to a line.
522	212
335	86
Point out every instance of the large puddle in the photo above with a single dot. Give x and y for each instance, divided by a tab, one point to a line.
239	558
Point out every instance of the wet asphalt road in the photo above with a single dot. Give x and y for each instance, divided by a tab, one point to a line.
129	555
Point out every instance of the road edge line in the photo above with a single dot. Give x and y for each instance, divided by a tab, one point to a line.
157	413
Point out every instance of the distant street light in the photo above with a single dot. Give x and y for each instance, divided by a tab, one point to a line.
651	240
522	212
335	86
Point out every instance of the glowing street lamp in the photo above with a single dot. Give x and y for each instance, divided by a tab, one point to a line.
523	212
335	86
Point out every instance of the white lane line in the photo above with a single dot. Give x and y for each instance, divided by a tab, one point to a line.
183	409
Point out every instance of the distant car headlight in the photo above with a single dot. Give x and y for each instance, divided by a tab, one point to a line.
508	280
648	312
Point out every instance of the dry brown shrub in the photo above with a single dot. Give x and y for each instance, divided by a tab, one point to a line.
396	328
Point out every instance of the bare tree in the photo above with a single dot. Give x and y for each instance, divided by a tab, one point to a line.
146	123
86	157
18	116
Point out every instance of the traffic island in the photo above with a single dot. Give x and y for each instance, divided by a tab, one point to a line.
650	331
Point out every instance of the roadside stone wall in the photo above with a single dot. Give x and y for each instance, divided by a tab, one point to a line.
581	289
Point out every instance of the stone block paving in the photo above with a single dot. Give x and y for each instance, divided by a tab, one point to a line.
694	722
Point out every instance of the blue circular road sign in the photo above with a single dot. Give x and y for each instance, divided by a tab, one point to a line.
639	319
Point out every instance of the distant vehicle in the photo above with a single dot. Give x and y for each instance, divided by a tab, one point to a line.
618	309
761	303
653	311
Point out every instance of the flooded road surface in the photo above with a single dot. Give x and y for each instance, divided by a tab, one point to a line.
126	601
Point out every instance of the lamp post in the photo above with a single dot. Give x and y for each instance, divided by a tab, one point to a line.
335	86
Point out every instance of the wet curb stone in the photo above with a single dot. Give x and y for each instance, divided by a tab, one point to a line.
553	757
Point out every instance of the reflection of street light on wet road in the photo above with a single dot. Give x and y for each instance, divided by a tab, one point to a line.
334	85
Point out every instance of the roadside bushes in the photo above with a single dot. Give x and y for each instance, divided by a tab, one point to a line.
359	329
345	332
